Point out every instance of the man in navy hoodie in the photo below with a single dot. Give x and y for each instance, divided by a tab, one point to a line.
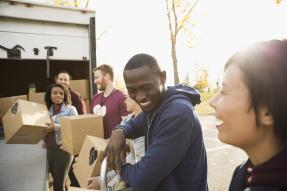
175	157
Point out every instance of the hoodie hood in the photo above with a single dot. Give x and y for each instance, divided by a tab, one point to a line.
183	91
178	92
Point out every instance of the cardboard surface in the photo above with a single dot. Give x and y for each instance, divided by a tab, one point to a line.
7	102
25	123
89	160
87	103
81	86
37	97
75	128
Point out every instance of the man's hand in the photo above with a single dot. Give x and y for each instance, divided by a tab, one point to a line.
94	183
115	150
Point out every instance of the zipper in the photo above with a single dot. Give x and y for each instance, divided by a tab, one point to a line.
148	128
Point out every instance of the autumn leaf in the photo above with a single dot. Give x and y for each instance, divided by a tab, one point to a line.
278	1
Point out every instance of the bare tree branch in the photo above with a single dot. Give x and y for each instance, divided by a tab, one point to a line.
104	32
186	16
175	26
169	19
175	18
88	1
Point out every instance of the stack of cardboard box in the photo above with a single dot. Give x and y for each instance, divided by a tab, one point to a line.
83	88
37	97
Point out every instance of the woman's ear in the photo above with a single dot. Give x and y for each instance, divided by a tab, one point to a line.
266	118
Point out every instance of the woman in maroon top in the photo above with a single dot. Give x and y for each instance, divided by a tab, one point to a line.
251	110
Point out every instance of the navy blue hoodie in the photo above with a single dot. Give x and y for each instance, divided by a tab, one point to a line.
175	157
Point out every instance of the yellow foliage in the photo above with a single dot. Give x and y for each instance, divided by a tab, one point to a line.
201	79
278	1
73	3
58	2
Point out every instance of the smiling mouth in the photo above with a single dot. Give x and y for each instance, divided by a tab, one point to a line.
219	122
145	104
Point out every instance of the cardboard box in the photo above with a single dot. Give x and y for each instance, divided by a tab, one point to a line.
7	102
87	103
89	160
25	123
75	128
37	97
81	86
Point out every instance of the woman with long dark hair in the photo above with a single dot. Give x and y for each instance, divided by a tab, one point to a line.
58	102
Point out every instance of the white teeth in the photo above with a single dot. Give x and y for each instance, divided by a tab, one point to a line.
145	104
219	122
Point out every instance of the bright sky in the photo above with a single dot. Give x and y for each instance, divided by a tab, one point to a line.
220	27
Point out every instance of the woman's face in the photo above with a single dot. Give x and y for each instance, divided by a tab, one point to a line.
57	95
236	122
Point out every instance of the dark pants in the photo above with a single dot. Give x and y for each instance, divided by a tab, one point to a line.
73	179
59	163
1	131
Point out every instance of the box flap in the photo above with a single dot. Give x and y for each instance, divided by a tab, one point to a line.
34	113
7	102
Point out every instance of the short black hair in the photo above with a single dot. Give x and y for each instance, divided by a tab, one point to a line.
140	60
67	95
264	69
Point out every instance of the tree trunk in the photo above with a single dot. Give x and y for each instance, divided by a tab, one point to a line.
174	61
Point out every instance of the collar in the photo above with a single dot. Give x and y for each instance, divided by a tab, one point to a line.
63	108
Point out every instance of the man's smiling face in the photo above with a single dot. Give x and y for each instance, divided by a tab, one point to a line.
145	87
